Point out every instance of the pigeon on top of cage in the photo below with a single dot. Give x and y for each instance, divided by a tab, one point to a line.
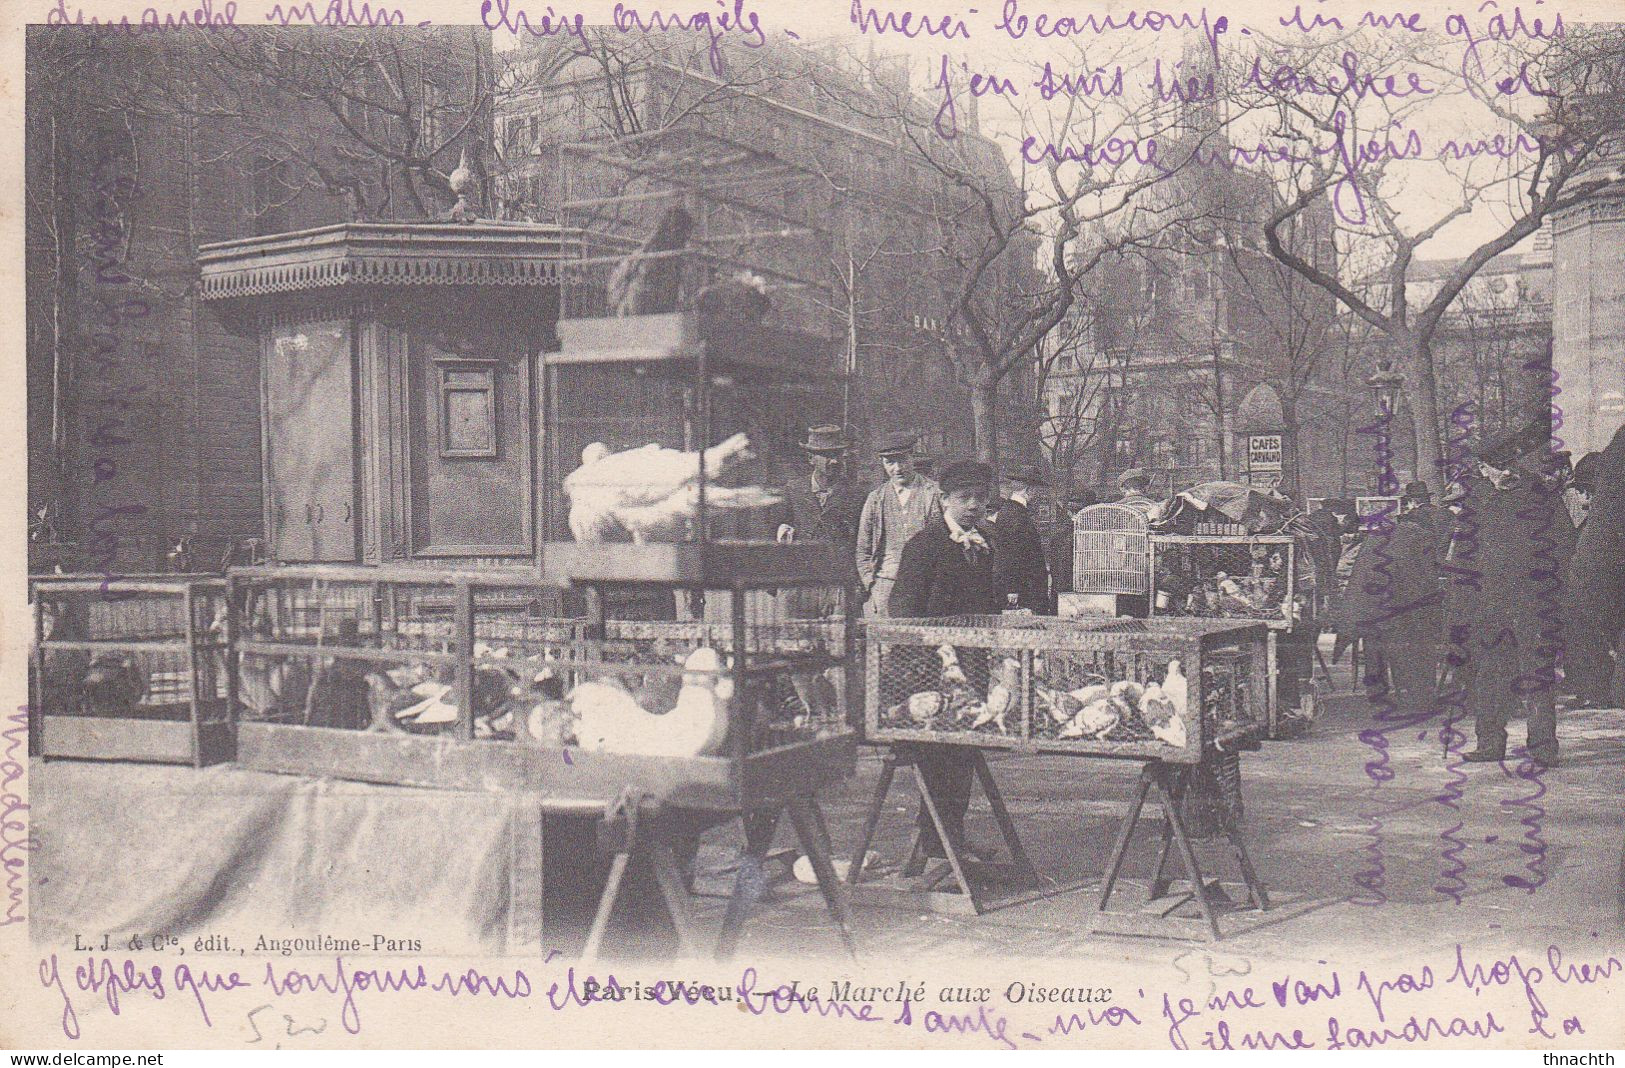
650	493
113	685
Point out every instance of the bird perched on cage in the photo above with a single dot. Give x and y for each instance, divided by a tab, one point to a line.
112	686
651	493
649	280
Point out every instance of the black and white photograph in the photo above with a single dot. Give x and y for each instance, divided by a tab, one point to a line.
762	525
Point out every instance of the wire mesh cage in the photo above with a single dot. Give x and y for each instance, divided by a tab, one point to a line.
1168	689
411	675
1111	550
131	669
1227	577
402	651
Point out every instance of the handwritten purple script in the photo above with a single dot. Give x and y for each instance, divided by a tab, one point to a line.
15	840
1364	1009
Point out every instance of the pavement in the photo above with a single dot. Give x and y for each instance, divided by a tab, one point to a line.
1354	861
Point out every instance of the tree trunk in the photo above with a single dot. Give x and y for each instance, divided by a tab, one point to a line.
983	407
1423	393
64	327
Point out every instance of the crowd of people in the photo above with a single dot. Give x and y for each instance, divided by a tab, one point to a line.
1512	590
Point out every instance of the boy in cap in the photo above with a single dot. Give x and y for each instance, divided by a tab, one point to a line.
893	513
949	569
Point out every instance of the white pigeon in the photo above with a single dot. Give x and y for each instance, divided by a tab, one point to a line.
1175	688
699	722
607	717
1001	695
652	490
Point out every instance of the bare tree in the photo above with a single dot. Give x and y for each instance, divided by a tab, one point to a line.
1008	255
1543	160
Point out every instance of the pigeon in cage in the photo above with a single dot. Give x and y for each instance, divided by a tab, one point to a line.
652	493
1175	688
610	719
1001	695
1159	715
113	685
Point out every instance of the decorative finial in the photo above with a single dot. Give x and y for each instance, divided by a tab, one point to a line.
461	181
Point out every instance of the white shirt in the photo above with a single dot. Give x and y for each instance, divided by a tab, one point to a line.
962	536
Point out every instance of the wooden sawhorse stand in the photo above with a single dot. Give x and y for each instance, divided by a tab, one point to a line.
1172	782
911	755
644	828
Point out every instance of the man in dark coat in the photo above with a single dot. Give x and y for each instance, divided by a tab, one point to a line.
1018	546
1513	544
1418	502
822	506
1061	543
949	569
1396	604
1596	595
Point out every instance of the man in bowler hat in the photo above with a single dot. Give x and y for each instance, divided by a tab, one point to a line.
823	505
894	512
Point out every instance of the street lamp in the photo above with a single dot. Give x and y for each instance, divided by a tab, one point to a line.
1385	386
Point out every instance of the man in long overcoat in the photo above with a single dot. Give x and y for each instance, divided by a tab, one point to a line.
1504	608
1396	604
1596	591
823	505
1018	545
894	512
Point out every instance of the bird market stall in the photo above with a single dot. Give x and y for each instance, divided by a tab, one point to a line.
130	669
424	408
1227	551
657	527
1168	694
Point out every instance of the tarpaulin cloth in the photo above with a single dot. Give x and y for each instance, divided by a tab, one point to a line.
144	849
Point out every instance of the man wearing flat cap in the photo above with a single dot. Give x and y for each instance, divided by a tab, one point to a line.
894	512
949	568
1133	483
1018	545
823	505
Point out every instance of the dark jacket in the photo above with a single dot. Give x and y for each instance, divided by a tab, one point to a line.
1018	556
835	519
936	578
1394	591
1507	544
1598	567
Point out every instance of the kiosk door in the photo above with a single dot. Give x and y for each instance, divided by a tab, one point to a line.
309	444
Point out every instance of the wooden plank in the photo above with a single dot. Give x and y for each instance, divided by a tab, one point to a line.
102	738
452	764
710	565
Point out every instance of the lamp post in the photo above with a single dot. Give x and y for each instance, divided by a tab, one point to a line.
1385	386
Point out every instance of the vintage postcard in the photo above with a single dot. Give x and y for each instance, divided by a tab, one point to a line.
738	523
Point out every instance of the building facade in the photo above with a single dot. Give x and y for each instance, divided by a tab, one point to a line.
143	407
792	166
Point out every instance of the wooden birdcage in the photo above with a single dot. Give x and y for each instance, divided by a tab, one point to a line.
1111	550
130	669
